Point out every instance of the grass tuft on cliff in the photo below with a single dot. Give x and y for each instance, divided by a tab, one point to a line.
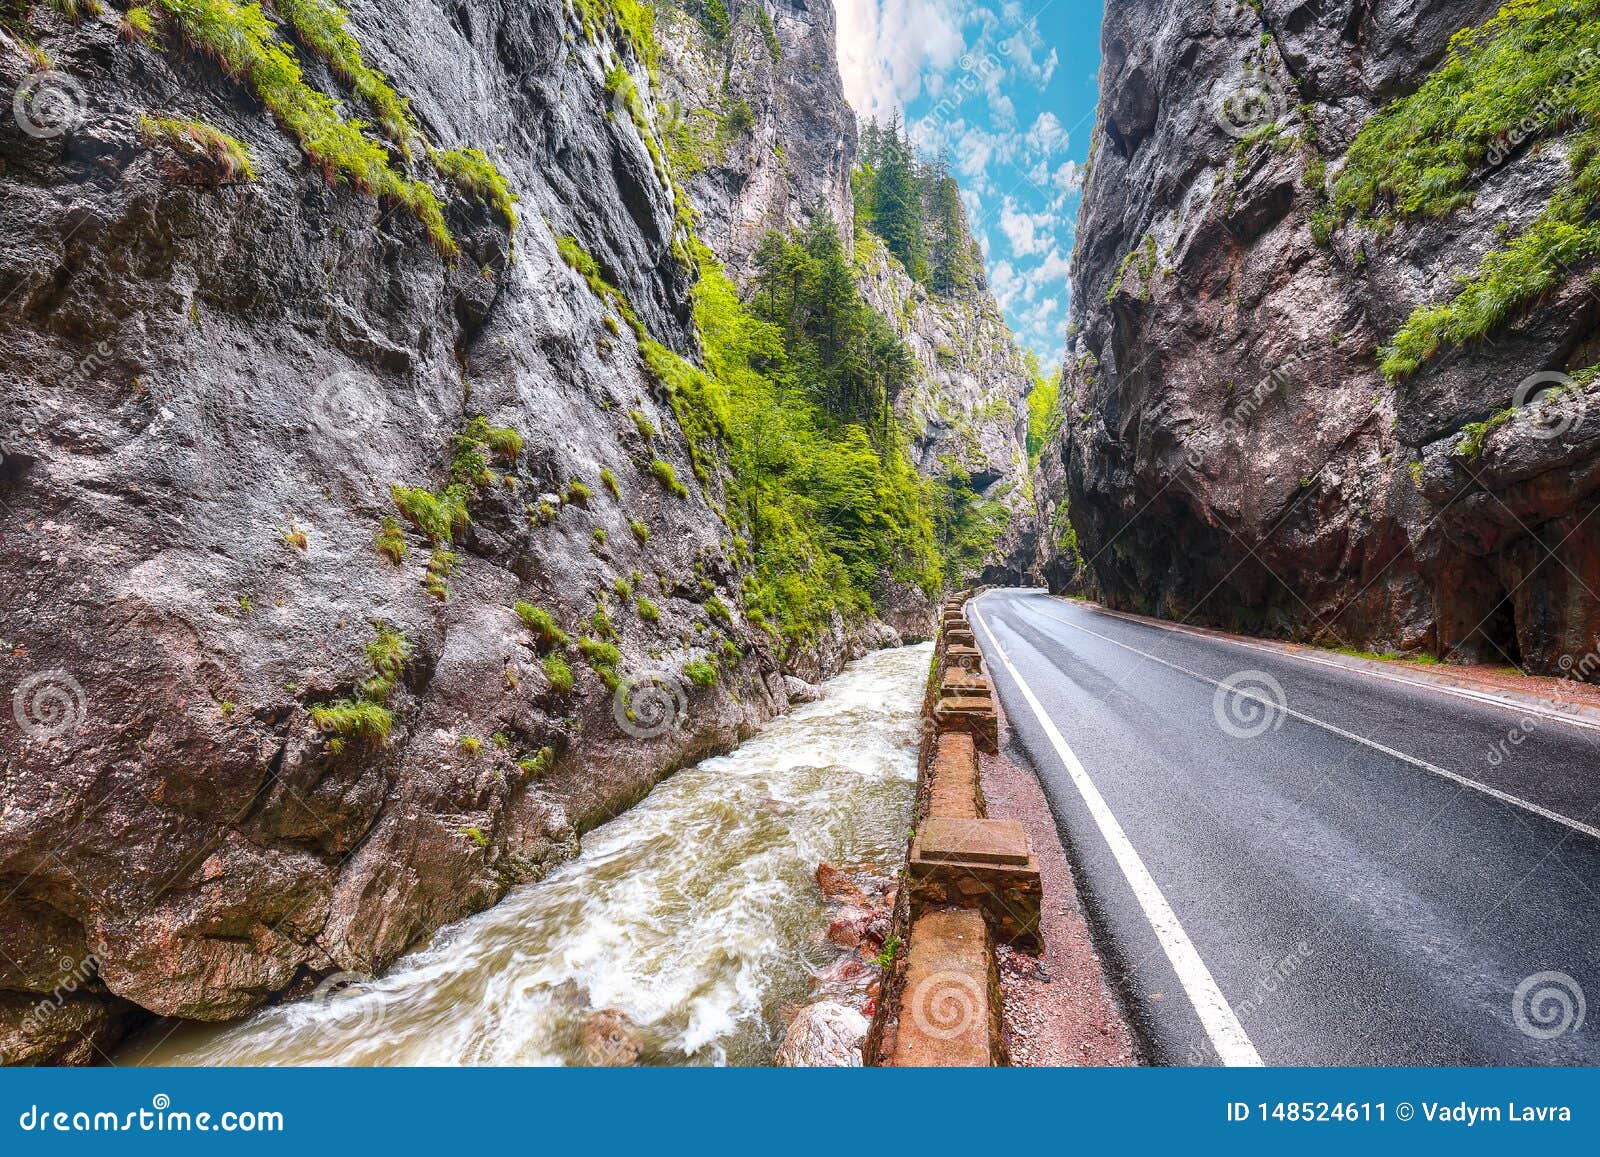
225	157
241	39
320	26
366	717
476	175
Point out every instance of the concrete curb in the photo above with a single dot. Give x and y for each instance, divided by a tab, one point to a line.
969	882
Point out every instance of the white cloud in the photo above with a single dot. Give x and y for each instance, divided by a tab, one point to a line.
1069	177
1028	233
1006	285
886	47
1053	268
1047	136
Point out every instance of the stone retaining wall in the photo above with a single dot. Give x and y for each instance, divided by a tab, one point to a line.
970	882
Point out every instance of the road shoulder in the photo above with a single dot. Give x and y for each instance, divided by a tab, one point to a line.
1058	1006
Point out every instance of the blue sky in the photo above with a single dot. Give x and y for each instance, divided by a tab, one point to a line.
1009	88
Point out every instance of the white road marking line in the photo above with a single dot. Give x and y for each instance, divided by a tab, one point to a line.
1485	697
1424	765
1216	1014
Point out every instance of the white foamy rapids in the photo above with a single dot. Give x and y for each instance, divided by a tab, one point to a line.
695	914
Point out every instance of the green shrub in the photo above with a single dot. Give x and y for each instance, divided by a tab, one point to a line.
354	718
321	28
391	541
642	424
599	654
701	673
640	531
503	440
611	483
471	744
648	611
578	494
475	174
137	26
441	565
718	610
633	22
623	588
559	674
663	473
1424	155
387	653
579	259
543	625
225	157
539	766
243	41
439	516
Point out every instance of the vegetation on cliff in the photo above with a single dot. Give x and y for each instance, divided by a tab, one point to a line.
915	206
1526	75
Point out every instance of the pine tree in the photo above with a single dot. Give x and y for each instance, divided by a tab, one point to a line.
950	264
897	214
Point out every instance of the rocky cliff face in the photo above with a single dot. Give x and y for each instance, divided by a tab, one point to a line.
1233	451
210	589
967	411
759	117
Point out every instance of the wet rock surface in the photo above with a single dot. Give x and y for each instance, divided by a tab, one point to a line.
1231	451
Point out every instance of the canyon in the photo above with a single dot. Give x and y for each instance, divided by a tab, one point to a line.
284	701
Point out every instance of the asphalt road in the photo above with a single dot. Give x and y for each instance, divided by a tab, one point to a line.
1291	862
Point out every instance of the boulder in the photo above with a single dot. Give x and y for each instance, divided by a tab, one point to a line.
823	1035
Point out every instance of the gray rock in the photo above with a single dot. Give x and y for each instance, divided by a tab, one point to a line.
800	691
1231	452
823	1035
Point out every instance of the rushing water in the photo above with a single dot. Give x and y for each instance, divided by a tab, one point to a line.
695	914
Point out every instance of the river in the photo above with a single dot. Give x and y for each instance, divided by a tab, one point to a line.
695	914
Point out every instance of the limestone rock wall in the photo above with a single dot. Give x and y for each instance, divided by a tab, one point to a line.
1231	450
